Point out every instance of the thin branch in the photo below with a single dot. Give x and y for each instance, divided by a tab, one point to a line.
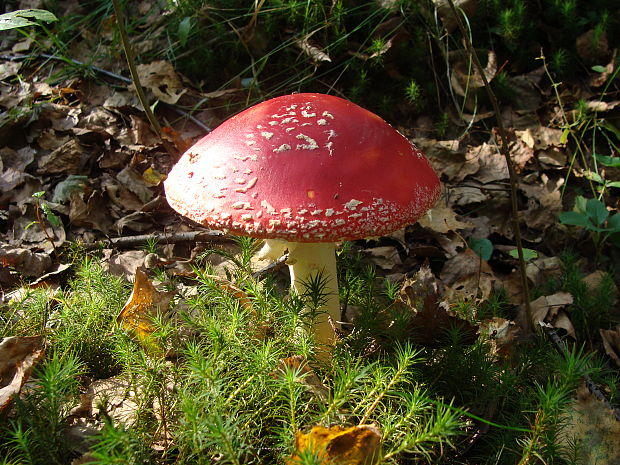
131	241
514	181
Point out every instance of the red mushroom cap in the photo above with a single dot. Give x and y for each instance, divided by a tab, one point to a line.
304	168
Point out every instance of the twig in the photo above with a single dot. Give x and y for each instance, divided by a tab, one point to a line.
130	241
514	181
272	266
120	22
107	73
592	387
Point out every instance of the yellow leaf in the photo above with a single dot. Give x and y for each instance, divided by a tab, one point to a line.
153	177
144	303
338	445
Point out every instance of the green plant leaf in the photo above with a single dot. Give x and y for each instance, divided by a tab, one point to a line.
608	161
50	215
597	211
482	247
185	26
598	68
595	177
528	254
613	223
580	204
611	128
613	184
19	18
564	136
576	219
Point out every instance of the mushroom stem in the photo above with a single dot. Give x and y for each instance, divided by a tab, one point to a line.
306	261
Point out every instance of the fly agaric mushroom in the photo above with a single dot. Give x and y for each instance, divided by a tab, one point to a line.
304	171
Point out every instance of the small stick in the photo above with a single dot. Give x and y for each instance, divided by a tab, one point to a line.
188	236
514	181
272	266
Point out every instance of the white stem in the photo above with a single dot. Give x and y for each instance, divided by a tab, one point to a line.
306	261
272	249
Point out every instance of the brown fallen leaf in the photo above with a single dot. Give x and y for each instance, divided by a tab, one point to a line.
592	48
502	334
65	159
442	219
145	302
431	319
466	276
611	342
543	269
468	7
315	53
550	309
464	78
592	425
598	79
596	278
25	260
18	356
448	159
338	445
162	80
385	257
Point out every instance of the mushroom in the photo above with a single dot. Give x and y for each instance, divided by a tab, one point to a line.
304	171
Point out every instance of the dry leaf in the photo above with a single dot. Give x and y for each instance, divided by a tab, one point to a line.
161	79
552	158
468	7
467	276
463	82
592	47
18	356
595	279
502	334
550	309
448	160
65	159
145	302
611	342
442	219
493	166
598	79
542	269
431	319
8	69
595	429
544	203
152	177
25	260
134	182
315	53
337	445
385	257
115	396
